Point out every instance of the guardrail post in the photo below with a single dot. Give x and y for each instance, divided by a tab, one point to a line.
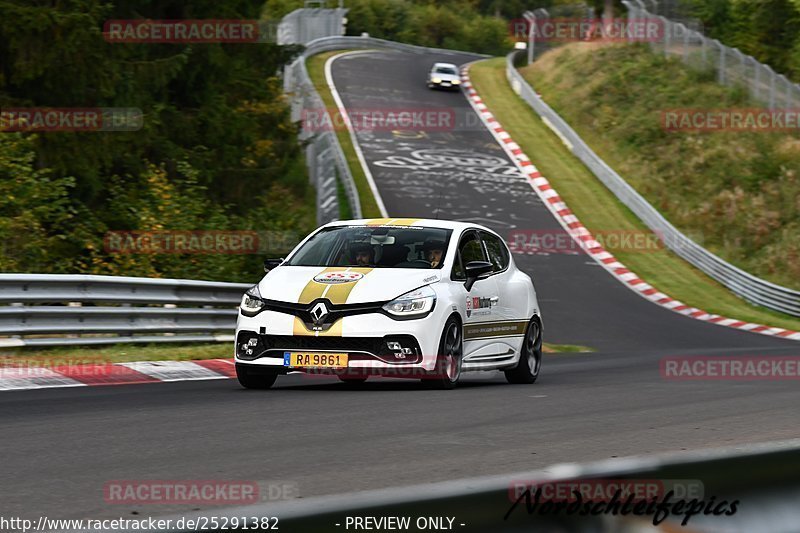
756	87
771	88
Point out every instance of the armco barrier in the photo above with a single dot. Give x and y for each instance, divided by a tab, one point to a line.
58	309
741	283
764	478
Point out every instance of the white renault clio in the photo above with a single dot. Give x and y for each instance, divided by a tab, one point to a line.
425	299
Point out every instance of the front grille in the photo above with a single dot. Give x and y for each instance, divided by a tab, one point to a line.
343	344
335	312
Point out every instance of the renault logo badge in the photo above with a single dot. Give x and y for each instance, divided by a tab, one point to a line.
319	312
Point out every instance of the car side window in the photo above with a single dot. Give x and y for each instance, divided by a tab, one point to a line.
498	253
469	249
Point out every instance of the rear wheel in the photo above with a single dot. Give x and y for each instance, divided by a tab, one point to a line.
450	357
530	360
254	377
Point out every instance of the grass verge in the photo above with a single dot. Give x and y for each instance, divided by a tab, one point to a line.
316	70
126	353
114	353
599	209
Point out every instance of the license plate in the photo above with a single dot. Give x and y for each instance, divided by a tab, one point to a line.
317	360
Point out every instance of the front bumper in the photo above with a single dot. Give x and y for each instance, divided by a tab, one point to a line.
445	84
264	339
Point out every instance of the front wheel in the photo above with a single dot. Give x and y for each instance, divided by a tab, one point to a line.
255	378
450	357
530	358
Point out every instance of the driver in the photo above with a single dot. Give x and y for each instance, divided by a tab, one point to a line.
362	254
434	251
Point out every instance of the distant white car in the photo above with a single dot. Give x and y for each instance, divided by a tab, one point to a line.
426	299
444	75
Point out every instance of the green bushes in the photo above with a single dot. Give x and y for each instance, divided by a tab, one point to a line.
217	150
452	24
769	30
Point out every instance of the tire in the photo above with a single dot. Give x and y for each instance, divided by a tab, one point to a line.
250	378
530	358
449	359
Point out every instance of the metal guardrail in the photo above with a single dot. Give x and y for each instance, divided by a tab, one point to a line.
764	478
741	283
58	309
324	155
303	25
325	158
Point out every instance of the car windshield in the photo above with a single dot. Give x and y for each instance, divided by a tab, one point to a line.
445	70
374	246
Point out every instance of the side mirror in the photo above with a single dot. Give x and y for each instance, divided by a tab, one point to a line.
269	264
474	270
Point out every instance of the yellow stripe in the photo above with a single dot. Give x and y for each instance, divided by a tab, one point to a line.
338	294
314	290
392	221
300	329
334	331
481	330
403	221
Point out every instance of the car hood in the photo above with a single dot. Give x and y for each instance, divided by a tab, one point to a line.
340	285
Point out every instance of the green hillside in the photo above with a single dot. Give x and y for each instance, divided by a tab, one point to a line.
737	192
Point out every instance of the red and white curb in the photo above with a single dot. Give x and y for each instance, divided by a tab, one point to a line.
583	236
16	376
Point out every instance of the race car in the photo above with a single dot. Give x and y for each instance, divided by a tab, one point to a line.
444	75
414	298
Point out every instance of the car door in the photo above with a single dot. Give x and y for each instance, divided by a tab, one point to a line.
510	309
480	300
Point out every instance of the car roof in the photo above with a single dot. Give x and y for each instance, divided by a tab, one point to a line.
451	65
424	222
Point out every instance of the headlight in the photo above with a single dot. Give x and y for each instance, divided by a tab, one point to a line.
456	82
437	80
251	302
417	302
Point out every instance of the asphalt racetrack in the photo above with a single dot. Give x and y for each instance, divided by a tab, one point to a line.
60	447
